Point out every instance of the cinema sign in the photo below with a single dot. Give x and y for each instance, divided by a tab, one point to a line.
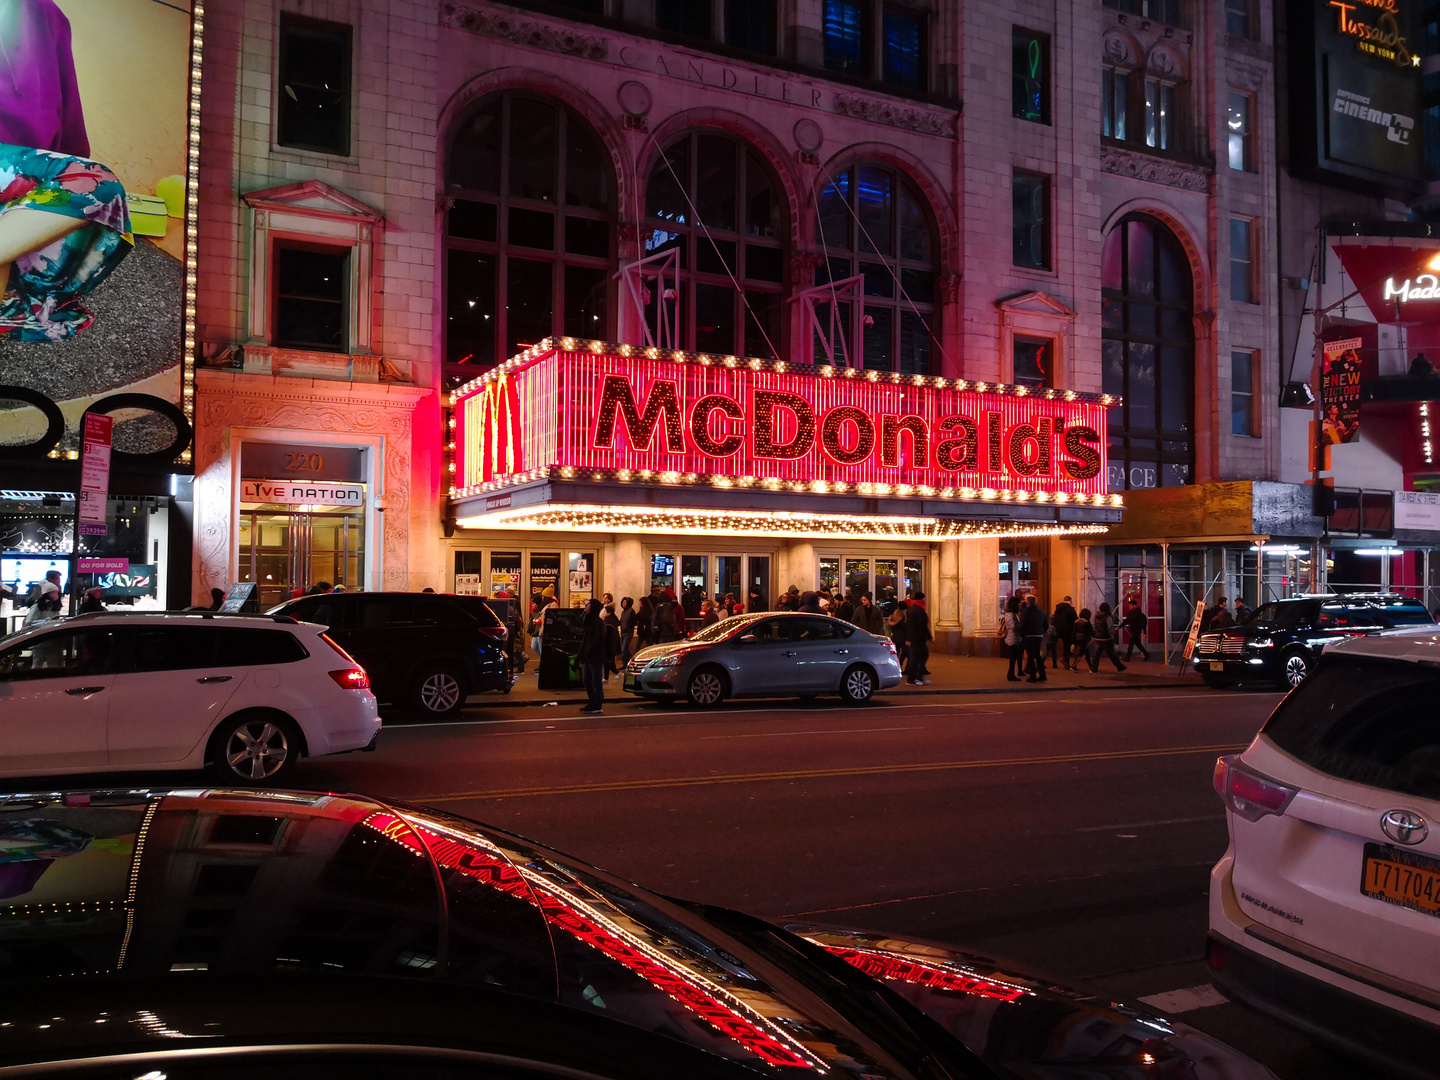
616	412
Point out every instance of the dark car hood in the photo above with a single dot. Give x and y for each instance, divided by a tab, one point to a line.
1025	1025
120	897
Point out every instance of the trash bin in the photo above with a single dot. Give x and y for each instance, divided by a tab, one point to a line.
560	637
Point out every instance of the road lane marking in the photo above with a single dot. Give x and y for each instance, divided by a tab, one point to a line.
1175	1002
821	774
827	731
1219	815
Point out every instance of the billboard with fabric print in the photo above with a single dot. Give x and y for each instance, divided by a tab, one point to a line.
94	154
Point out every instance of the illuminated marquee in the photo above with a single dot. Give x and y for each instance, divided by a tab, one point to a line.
598	410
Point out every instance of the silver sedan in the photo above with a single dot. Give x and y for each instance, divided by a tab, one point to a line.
770	654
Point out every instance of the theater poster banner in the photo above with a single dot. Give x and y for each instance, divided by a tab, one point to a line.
1340	392
94	140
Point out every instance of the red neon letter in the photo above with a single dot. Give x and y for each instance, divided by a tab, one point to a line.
993	460
617	398
1087	458
834	423
726	445
890	428
763	422
1021	434
960	454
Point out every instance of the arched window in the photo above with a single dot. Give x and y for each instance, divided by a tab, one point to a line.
528	239
874	222
1148	355
710	197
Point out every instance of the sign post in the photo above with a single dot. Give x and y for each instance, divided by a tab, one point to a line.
94	494
1193	636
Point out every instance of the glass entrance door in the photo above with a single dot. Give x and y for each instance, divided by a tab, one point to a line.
693	578
285	551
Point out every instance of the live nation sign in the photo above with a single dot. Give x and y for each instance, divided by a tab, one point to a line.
599	409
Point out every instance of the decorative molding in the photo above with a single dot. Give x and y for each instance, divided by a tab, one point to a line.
908	117
1037	303
1121	50
1176	174
537	35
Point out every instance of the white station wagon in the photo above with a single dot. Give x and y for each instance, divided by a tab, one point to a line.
243	695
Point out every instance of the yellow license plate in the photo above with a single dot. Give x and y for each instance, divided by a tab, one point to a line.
629	682
1398	877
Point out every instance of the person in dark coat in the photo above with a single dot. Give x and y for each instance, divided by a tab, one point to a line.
612	638
868	617
1136	627
917	631
627	629
1104	624
1032	631
1064	622
1220	618
591	656
92	601
810	603
846	610
1084	638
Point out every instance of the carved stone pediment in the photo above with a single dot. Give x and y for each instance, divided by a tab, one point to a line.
1157	170
524	31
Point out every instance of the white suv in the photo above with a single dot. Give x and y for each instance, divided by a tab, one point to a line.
1325	910
246	696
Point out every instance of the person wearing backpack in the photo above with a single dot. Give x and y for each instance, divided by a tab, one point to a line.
1105	638
1084	639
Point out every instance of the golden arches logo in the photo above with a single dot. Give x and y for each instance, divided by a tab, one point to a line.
492	431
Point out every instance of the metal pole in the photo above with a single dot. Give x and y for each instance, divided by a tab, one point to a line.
1165	596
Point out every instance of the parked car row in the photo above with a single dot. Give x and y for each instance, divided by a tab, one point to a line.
1281	642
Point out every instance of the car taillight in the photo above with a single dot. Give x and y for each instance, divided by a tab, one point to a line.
893	651
351	678
1247	793
499	633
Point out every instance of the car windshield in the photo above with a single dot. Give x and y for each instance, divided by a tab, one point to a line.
721	630
1366	719
1283	614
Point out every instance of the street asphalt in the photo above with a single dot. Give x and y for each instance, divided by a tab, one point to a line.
1071	832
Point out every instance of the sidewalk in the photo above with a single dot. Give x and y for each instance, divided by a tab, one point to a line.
949	675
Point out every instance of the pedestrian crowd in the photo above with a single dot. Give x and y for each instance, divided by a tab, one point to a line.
1066	637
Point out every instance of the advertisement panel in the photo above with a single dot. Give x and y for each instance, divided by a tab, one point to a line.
1362	121
95	137
1340	392
611	412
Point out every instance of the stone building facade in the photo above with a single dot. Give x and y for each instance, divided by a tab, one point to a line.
500	171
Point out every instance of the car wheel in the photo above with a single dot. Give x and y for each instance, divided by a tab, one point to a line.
706	688
1293	669
439	692
857	686
254	748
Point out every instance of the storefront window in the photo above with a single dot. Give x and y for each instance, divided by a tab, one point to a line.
662	572
857	575
758	584
582	577
1148	355
693	583
711	198
545	572
874	222
504	573
529	232
830	574
914	576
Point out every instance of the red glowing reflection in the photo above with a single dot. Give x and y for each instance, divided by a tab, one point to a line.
906	969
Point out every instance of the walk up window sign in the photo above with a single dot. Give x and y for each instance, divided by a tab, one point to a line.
623	415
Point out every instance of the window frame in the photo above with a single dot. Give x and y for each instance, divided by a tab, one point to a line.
772	30
503	250
857	257
1244	136
1115	103
1022	37
874	64
1046	188
697	241
922	49
1251	359
1251	293
346	32
1162	121
1016	341
1243	10
346	254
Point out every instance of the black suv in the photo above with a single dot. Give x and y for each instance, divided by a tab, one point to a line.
1282	640
422	651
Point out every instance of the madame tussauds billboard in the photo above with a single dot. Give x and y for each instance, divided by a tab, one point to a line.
93	180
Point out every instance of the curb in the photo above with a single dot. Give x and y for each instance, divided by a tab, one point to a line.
951	692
